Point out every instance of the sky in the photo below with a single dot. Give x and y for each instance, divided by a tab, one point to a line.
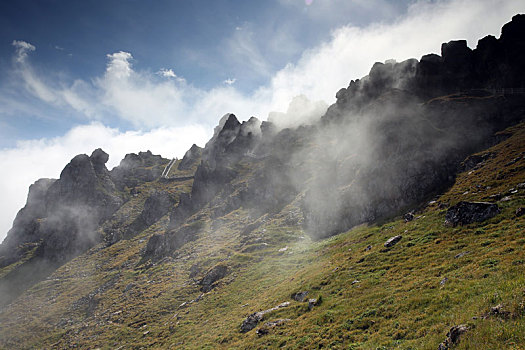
136	75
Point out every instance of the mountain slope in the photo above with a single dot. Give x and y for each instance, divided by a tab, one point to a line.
193	252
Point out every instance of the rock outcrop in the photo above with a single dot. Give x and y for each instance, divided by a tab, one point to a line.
453	336
465	213
138	168
253	319
60	220
158	204
191	157
215	274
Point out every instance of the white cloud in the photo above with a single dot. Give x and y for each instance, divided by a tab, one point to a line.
22	48
119	66
35	159
167	73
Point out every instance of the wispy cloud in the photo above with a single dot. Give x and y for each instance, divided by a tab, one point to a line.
22	48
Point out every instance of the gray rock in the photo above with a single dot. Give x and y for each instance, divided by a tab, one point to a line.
253	319
312	303
392	241
191	157
465	213
158	204
135	169
460	255
213	275
300	296
453	336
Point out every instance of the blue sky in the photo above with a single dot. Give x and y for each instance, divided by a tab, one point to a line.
134	75
204	42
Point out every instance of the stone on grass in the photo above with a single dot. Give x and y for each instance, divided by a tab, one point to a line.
392	241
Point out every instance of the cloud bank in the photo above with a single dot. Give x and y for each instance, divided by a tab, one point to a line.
177	114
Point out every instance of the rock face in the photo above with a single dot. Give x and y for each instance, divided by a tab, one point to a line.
59	221
465	213
158	204
137	168
391	140
26	223
161	245
62	215
191	157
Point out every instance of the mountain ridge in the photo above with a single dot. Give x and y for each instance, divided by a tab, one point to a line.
391	143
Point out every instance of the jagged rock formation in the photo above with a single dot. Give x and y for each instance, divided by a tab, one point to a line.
60	220
386	144
191	157
62	215
137	168
25	226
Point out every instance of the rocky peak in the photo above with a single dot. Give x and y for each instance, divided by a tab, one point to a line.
99	157
513	31
231	123
85	181
137	168
191	156
231	140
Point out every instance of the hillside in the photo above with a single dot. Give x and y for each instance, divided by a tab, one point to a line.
362	230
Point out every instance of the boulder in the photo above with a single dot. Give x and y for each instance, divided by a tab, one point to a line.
392	241
213	275
465	213
408	217
312	303
251	321
300	296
